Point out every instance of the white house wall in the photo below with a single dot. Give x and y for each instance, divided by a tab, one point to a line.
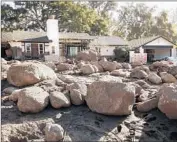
107	51
160	42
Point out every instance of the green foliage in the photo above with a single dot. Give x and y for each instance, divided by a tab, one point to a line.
121	54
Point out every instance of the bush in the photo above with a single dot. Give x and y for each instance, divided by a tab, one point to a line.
121	54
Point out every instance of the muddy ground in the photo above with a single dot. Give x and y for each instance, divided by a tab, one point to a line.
81	124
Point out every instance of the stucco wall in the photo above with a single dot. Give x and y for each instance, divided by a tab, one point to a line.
161	53
105	51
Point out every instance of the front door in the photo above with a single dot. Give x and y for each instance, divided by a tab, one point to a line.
34	50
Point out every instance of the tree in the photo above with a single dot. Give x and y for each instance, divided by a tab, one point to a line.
134	21
72	16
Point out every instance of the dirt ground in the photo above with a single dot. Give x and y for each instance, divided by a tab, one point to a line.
81	124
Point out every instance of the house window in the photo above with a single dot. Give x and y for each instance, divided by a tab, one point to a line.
41	48
53	49
28	47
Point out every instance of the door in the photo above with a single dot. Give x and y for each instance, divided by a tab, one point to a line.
34	50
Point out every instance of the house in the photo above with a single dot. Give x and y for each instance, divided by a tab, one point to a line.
35	45
105	45
156	47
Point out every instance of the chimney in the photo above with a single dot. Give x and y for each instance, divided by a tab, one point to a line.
53	33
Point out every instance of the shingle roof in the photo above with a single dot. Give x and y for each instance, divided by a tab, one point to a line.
136	43
108	41
43	39
26	35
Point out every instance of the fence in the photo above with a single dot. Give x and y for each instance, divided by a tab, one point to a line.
137	57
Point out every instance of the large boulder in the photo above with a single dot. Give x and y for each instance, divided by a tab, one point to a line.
32	100
53	132
87	69
167	78
160	66
110	98
64	66
173	70
118	65
78	92
88	55
108	66
168	100
58	100
110	78
144	68
154	78
99	67
126	66
147	105
29	73
139	74
50	64
4	69
121	73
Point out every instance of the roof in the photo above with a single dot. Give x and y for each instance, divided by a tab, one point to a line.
43	39
136	43
108	41
41	36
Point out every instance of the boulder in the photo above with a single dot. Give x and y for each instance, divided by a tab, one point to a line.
93	55
80	64
135	64
32	100
51	65
167	78
14	95
29	73
121	73
58	100
160	66
4	69
87	69
9	90
144	68
139	74
143	84
118	65
99	67
88	55
154	78
173	70
110	78
147	105
3	61
64	66
110	98
107	65
168	100
53	132
76	97
126	66
95	68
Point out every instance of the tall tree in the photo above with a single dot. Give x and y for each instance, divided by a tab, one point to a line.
134	21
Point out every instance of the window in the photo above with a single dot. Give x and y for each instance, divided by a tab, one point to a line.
53	49
28	47
41	48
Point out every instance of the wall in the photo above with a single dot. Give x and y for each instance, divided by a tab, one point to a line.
162	53
105	51
160	41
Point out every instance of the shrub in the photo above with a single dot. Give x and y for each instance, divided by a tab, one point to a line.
121	54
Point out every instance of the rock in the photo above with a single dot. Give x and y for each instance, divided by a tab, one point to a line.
58	100
118	65
99	67
109	78
9	90
143	84
110	98
126	66
154	78
51	65
87	69
144	68
138	89
160	66
144	95
167	78
139	74
76	97
64	67
135	64
107	65
173	70
168	100
147	105
4	69
120	72
53	132
3	61
95	68
88	55
29	73
14	95
79	65
32	100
